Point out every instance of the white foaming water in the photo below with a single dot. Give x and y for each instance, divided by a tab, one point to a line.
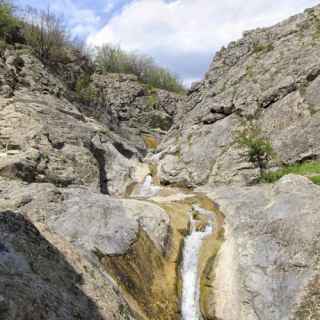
148	189
190	290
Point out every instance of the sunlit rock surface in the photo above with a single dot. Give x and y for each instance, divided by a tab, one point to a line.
272	76
268	265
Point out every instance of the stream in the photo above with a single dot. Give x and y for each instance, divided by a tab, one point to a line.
190	279
201	226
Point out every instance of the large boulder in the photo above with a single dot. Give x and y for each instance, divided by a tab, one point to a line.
92	221
270	76
268	266
44	277
130	240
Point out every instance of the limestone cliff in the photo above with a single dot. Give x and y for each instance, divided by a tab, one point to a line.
270	76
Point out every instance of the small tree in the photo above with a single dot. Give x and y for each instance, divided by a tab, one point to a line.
9	24
259	149
45	32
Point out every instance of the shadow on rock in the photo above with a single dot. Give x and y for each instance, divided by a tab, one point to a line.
36	281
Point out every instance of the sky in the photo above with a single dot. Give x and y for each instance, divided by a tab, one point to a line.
181	35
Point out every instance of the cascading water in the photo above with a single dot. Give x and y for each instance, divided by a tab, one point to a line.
148	189
190	279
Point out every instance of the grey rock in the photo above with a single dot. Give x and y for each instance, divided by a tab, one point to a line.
48	279
96	223
46	139
268	266
131	108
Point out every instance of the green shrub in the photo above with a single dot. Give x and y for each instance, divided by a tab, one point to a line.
110	59
262	48
85	92
272	176
315	180
258	149
9	24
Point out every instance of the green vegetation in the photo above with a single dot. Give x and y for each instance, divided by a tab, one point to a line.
42	30
315	24
3	45
311	169
259	150
9	24
152	101
110	59
85	92
46	33
315	180
249	71
262	48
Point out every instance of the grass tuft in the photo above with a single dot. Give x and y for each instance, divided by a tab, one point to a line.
309	169
315	180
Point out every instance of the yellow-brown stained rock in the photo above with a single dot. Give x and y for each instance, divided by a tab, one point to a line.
146	275
150	141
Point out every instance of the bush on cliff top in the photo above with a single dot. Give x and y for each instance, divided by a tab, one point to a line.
8	23
46	33
111	59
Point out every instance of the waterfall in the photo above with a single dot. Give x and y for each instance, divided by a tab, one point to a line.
148	189
190	278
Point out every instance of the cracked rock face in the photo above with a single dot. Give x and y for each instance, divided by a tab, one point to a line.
74	246
45	138
271	75
268	266
133	109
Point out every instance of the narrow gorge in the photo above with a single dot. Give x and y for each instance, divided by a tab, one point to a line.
121	201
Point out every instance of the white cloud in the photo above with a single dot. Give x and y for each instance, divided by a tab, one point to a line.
81	21
179	33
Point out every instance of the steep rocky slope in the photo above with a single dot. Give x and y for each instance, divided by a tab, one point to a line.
59	168
138	112
270	76
45	138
